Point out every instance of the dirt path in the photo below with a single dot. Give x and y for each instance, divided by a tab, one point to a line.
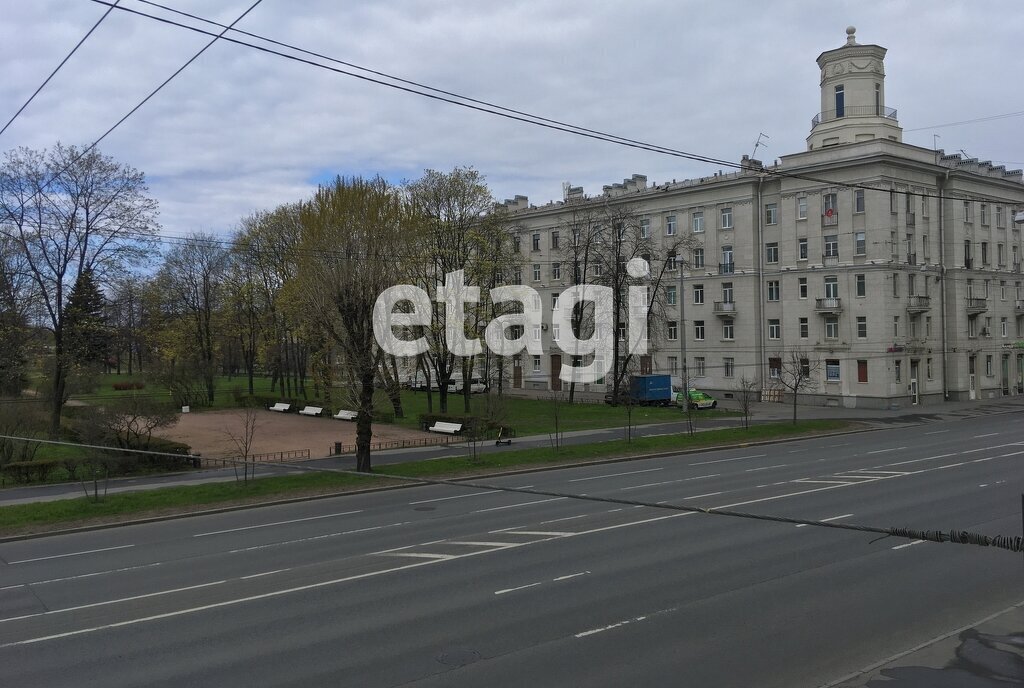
207	432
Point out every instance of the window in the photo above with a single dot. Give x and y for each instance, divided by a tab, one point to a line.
726	218
699	366
698	293
893	205
774	329
645	228
727	257
622	332
698	330
727	328
831	327
670	225
897	370
831	287
862	327
967	253
517	276
556	271
860	244
554	301
896	285
988	365
802	283
896	327
801	208
771	251
925	249
832	245
1000	255
535	300
1003	327
773	290
774	368
983	213
536	364
805	367
536	273
673	365
862	285
698	222
924	206
829	209
928	368
597	270
840	101
927	326
972	326
771	214
670	295
862	371
858	201
728	367
536	333
968	215
911	284
670	261
673	330
554	239
727	292
832	369
517	244
698	258
1002	290
804	329
984	253
535	241
999	216
802	244
555	331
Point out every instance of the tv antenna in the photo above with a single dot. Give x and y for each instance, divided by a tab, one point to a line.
758	144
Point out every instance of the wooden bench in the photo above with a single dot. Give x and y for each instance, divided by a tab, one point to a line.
345	415
447	428
281	408
312	411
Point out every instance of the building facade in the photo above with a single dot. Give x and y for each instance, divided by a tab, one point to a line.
892	271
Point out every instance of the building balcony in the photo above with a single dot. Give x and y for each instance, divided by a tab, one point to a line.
976	305
853	111
829	304
911	259
1020	307
1016	266
830	261
919	304
725	309
726	268
968	263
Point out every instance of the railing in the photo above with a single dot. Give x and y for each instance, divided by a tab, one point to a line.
853	111
830	261
977	304
911	259
919	303
829	303
726	268
725	307
293	455
829	220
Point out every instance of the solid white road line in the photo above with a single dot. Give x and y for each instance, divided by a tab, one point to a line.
825	520
513	506
521	587
461	496
277	523
63	579
936	432
882	451
909	544
738	458
615	475
423	555
547	533
265	573
669	482
990	434
313	538
765	468
69	554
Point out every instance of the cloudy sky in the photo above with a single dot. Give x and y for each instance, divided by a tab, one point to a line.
241	130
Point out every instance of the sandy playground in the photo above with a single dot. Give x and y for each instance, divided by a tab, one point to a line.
207	432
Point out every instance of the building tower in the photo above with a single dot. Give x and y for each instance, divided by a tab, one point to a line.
853	97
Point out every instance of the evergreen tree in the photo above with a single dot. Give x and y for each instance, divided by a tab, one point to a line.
84	322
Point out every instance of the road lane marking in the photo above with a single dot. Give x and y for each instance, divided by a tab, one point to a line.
927	458
936	432
609	627
825	520
63	579
765	468
548	533
826	482
990	434
461	496
565	518
669	482
276	523
571	575
69	554
471	543
313	538
738	458
521	587
265	573
833	446
615	475
513	506
909	544
423	555
882	451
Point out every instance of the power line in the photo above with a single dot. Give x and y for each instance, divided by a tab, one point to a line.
58	68
990	118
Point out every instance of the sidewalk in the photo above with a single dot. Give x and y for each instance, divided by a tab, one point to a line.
988	654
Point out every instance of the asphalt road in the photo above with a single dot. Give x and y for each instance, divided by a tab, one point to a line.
451	586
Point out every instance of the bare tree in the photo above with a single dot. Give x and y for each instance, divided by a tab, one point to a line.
746	390
352	231
797	373
243	437
67	211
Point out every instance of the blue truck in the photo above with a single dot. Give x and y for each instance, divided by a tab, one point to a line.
646	390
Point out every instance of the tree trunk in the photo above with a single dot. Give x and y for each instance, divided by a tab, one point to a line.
364	423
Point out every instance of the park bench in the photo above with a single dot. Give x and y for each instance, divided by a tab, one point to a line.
281	408
311	411
346	415
447	428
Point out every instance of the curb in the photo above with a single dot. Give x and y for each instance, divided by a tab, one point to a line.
407	485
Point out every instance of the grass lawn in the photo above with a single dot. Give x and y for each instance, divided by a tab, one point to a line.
22	517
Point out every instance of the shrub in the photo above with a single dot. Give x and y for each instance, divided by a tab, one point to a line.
126	386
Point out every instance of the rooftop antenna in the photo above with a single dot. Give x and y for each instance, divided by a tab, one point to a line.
758	144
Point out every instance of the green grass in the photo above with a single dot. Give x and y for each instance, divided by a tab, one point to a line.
153	502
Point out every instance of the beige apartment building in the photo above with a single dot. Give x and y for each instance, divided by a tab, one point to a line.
894	269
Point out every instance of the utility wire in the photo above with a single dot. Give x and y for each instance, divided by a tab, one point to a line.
58	68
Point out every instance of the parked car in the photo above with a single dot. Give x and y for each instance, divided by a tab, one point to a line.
476	386
697	399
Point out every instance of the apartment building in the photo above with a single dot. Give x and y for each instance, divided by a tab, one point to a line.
892	271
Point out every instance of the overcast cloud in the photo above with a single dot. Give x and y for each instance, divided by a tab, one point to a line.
241	130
